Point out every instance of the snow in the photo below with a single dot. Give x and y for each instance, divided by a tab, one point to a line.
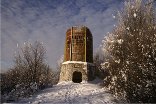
134	15
105	65
128	28
113	16
78	62
69	92
120	41
127	62
117	61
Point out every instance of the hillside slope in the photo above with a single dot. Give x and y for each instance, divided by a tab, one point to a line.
68	92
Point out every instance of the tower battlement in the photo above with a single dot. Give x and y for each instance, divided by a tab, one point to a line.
78	44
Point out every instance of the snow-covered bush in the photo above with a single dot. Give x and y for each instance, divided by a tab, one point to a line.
131	53
20	90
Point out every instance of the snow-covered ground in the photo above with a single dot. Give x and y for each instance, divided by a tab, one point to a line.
68	92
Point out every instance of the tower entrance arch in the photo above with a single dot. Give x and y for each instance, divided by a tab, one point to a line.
77	77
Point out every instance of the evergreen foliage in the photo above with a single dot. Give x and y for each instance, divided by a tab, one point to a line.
130	53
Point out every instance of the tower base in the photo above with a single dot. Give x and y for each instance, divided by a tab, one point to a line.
77	71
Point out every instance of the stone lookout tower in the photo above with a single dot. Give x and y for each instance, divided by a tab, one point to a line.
78	55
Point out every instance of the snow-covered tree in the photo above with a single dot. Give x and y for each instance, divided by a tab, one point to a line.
31	60
97	60
131	53
29	73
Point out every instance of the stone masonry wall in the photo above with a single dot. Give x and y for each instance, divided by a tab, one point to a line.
69	67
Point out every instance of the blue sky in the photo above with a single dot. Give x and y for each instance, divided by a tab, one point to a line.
48	20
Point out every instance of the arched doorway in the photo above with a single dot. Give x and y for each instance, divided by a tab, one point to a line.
77	77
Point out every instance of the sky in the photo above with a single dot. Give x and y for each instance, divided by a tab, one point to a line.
48	20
